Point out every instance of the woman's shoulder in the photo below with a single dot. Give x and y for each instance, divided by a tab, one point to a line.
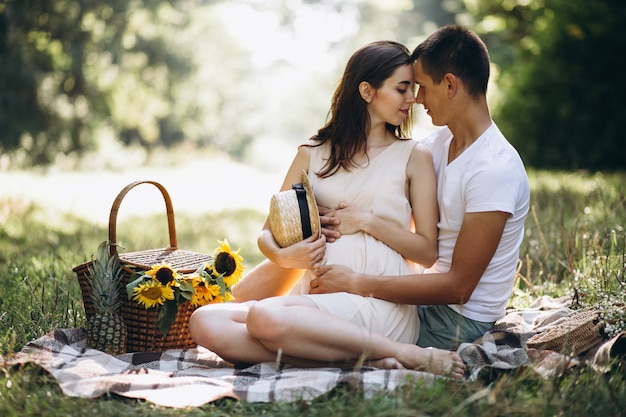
413	147
315	152
312	146
419	158
312	143
421	150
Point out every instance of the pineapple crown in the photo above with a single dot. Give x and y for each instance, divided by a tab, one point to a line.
106	277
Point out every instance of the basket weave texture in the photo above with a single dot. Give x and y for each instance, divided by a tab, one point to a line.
575	335
143	333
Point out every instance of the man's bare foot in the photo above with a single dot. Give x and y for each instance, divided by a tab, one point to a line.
436	361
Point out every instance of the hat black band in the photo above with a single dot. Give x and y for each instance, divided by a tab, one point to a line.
304	210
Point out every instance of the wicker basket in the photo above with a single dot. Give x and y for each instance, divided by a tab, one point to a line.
575	335
143	333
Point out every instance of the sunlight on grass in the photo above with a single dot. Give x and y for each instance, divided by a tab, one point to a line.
574	245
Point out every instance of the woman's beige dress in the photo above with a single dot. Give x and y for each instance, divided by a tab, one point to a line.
381	186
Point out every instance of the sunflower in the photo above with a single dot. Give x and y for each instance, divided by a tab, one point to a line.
204	292
163	273
152	293
225	298
228	263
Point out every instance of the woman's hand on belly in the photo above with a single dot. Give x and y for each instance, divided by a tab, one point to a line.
352	219
329	224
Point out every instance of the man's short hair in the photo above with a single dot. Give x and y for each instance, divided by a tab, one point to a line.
457	50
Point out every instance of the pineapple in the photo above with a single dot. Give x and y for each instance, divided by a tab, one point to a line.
105	329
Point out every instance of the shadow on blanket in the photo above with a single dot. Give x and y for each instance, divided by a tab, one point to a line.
193	377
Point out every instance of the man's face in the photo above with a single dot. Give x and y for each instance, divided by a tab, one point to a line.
432	96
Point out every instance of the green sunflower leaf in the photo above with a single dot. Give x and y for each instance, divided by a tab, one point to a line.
135	280
166	316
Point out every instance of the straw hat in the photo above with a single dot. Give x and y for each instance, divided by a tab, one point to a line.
293	214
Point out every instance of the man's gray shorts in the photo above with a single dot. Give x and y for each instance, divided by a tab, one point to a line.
444	328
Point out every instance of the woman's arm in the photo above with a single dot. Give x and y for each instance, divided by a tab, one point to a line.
278	274
302	255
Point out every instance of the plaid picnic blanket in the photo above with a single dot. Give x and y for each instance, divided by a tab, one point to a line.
190	377
193	377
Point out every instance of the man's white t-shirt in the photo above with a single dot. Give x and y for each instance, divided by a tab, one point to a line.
488	176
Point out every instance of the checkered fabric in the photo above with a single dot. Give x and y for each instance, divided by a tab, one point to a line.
193	377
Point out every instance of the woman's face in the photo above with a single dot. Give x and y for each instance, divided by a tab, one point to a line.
392	101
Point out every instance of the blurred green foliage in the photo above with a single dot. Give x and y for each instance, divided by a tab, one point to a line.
85	76
561	106
69	69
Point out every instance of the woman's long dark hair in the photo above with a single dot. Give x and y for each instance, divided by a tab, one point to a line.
348	121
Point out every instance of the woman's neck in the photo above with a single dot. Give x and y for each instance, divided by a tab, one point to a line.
378	140
380	136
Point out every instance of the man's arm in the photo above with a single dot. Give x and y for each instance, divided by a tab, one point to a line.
477	242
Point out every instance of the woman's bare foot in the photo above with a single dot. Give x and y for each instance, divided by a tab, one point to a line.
386	363
435	361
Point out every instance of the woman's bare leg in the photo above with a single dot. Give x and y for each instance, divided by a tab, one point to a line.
299	329
221	328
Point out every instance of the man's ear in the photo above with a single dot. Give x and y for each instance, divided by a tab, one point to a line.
452	83
366	91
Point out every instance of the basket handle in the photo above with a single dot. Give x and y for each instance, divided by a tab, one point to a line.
116	205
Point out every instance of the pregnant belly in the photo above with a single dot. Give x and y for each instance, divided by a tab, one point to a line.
364	254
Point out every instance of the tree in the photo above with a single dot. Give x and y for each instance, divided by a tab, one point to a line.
560	70
68	67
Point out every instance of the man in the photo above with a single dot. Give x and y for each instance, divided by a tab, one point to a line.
483	196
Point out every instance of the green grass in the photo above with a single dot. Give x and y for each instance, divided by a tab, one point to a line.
575	243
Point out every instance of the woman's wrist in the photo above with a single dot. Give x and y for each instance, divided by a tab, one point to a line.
367	222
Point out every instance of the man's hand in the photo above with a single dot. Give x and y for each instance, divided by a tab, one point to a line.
333	278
